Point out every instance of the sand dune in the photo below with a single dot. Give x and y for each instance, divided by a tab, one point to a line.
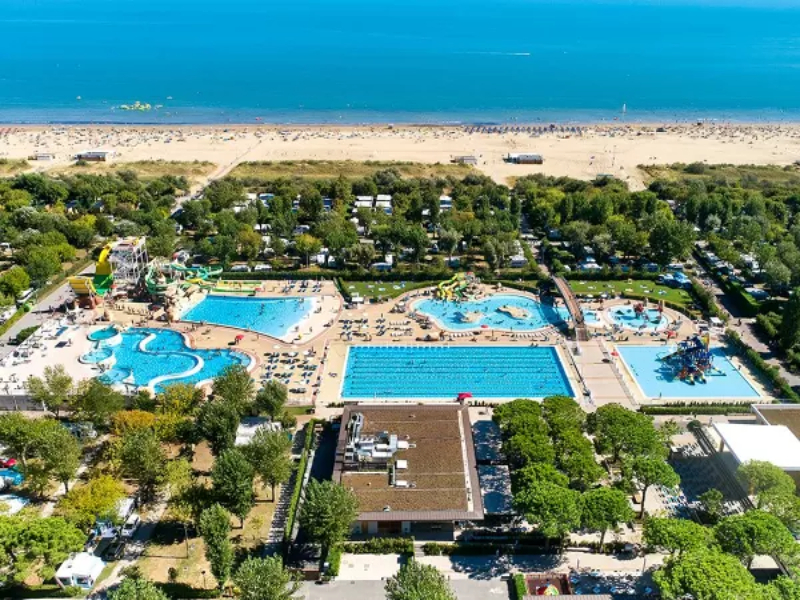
609	149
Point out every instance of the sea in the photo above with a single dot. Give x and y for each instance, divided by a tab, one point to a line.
409	61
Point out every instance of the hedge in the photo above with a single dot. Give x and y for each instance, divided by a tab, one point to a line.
684	408
606	274
746	303
771	373
334	560
381	546
291	515
482	549
520	586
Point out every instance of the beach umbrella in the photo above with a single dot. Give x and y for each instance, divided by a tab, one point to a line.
614	353
239	337
484	326
464	395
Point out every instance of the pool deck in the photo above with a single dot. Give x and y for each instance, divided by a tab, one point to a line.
329	333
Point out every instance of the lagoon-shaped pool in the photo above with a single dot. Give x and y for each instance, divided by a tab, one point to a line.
647	320
158	357
503	311
275	317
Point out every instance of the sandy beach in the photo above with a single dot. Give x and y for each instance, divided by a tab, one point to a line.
583	153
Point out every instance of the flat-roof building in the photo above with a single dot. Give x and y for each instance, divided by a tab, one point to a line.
525	159
412	468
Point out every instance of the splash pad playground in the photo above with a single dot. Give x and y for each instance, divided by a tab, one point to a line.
692	360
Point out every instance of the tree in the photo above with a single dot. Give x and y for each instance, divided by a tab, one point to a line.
217	422
60	453
362	254
328	513
675	535
536	472
416	581
179	399
603	509
96	402
765	481
711	501
271	399
526	448
224	193
162	245
232	477
554	509
126	421
30	539
265	579
306	245
269	452
136	588
215	527
652	470
142	459
250	243
42	263
236	387
54	390
621	431
97	499
181	485
14	281
449	239
783	588
752	534
706	575
575	457
670	239
790	324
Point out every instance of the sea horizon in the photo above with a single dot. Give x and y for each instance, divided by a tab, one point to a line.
429	62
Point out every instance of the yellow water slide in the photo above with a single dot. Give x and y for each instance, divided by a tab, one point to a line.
103	266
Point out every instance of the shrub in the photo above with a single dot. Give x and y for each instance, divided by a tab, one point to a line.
25	334
298	484
769	372
381	546
520	586
698	408
334	561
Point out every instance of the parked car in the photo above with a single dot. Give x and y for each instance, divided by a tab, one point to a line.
130	526
262	267
114	550
240	269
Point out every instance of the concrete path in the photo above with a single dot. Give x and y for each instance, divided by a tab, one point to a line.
600	376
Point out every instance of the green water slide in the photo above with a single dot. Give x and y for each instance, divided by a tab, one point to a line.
191	275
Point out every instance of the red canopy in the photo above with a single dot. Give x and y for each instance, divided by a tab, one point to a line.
464	395
484	326
240	337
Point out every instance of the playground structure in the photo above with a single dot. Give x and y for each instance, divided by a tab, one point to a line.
641	311
163	276
120	263
462	286
692	360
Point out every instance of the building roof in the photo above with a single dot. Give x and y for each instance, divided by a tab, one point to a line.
440	465
775	444
83	564
779	414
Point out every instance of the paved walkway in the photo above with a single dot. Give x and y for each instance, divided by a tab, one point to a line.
600	377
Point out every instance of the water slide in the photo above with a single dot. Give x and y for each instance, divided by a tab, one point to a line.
455	285
103	277
197	275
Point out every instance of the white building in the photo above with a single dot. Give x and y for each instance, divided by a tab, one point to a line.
80	570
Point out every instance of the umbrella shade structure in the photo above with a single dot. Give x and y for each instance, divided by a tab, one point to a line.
240	337
484	326
464	395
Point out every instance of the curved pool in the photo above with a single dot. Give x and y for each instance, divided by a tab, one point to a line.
159	357
103	334
503	311
275	317
97	356
648	320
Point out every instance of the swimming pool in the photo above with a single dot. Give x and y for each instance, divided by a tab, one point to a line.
97	355
443	372
271	316
649	320
165	359
473	314
103	334
658	380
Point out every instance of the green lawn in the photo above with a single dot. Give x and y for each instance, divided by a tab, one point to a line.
331	169
650	289
389	289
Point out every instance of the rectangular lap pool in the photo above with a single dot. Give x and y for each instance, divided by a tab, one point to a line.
444	372
658	379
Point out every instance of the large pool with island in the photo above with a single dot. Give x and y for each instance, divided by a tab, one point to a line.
657	379
507	312
444	372
148	357
275	317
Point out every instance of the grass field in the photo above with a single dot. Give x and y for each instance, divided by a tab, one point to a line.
768	173
145	169
324	169
650	289
11	166
390	289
